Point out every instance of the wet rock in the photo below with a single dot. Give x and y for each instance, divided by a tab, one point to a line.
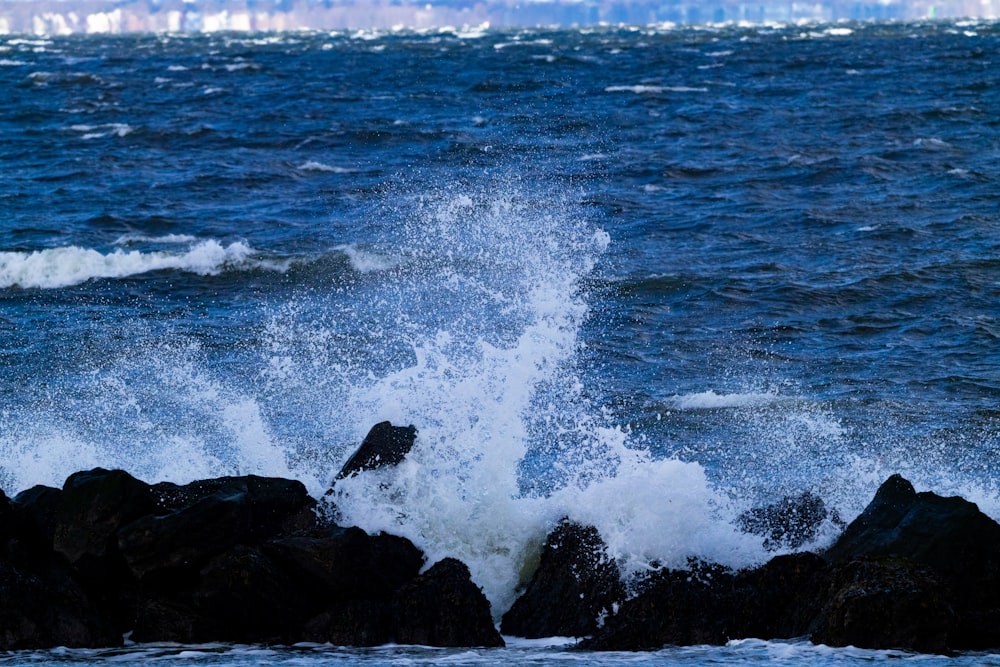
204	519
681	607
7	520
710	604
385	445
348	563
352	623
790	522
232	599
336	588
780	599
239	559
950	536
576	583
35	515
883	605
45	607
443	607
94	506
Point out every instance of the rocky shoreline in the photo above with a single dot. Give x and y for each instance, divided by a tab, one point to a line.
251	560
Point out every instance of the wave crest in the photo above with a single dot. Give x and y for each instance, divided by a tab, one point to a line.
72	265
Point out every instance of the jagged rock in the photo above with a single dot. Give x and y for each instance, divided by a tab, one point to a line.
885	604
350	578
238	596
352	623
7	520
960	545
576	583
206	518
788	523
443	607
385	445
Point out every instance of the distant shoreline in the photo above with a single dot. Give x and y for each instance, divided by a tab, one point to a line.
67	17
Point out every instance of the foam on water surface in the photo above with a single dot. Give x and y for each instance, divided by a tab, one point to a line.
71	265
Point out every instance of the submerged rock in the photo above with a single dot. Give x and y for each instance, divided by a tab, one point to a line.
575	585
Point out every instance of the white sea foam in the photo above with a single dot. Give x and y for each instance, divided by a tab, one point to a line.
127	239
105	130
367	262
71	265
313	165
710	400
644	89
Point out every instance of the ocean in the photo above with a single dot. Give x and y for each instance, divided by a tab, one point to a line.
644	277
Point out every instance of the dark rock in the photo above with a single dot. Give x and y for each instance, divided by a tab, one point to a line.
7	519
36	513
885	604
959	544
335	589
204	519
950	535
240	596
576	583
385	445
681	607
788	523
443	607
94	506
46	607
710	604
348	564
780	599
363	622
243	596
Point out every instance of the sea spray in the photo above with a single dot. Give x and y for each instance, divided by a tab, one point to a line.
508	440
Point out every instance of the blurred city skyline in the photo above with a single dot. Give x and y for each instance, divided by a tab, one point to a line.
62	17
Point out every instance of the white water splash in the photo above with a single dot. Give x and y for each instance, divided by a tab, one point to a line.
508	441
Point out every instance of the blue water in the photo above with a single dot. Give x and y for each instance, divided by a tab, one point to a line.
646	277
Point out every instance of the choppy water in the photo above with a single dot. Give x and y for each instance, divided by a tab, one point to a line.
644	277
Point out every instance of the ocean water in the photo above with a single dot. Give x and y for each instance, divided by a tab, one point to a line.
643	277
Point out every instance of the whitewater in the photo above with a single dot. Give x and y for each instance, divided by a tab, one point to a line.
643	278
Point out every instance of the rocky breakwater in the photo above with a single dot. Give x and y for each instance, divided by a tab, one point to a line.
249	559
914	571
240	559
